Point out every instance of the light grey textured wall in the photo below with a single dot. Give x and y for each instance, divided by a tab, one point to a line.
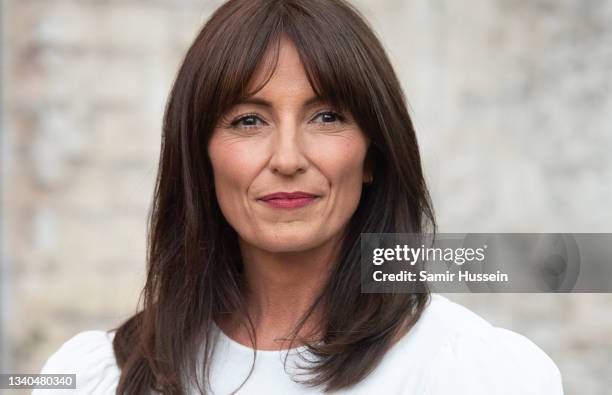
511	100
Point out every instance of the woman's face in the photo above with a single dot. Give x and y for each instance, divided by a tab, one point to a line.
282	141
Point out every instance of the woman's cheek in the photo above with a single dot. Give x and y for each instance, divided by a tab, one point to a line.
342	156
231	175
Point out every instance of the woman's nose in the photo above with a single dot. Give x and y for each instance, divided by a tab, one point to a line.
287	155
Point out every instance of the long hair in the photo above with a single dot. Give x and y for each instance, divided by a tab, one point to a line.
194	267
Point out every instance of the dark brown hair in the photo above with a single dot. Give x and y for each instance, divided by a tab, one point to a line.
194	267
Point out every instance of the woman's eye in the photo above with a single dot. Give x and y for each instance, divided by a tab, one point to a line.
247	121
330	117
252	121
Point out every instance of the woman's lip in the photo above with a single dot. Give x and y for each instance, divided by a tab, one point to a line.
288	195
290	203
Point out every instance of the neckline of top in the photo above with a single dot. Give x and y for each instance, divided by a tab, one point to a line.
243	348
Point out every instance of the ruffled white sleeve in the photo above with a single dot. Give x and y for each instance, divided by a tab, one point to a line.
493	360
90	356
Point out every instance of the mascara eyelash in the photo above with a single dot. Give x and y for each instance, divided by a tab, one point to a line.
340	117
234	123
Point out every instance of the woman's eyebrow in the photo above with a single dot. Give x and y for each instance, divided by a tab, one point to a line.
258	101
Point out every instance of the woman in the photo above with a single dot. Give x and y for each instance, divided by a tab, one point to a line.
285	137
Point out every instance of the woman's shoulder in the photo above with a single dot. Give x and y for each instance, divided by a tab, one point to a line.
468	355
89	355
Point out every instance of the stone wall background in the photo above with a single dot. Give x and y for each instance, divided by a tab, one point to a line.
512	103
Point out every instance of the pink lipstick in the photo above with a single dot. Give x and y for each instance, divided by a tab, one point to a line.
289	199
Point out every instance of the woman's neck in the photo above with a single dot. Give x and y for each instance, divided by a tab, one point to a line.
280	288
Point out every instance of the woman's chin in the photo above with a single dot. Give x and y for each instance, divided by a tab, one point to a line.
288	242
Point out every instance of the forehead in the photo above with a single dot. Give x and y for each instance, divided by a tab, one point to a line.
289	77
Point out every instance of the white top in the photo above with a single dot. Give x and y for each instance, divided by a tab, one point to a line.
450	350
